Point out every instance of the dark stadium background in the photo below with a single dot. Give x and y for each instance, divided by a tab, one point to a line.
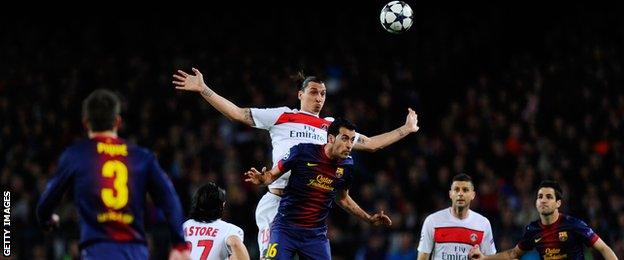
508	94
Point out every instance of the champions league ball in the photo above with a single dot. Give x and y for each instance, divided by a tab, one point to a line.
396	17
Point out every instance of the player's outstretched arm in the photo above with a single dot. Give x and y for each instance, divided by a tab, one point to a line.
239	251
514	253
348	204
605	250
377	142
195	83
264	177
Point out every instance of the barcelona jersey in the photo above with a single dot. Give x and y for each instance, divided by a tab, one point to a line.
312	187
109	179
564	239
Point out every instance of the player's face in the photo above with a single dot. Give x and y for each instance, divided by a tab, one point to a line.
461	193
343	143
313	97
546	203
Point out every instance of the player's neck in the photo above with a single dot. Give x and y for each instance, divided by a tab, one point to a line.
460	213
309	111
327	150
110	133
549	219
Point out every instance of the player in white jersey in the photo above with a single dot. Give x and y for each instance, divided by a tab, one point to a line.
450	233
209	237
287	128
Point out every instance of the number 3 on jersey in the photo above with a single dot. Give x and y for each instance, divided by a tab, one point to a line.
119	172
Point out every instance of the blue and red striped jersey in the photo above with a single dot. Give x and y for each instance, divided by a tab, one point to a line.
109	180
311	190
564	239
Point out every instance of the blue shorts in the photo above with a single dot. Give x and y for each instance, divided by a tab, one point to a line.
115	250
286	241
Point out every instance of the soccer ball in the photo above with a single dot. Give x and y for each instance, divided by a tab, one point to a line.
396	17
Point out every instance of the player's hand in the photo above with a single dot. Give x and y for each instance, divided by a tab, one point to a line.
411	122
52	223
475	253
179	254
380	219
256	177
185	81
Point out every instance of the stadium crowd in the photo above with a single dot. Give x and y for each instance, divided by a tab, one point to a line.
508	103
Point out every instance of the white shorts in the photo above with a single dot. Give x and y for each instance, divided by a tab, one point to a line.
265	213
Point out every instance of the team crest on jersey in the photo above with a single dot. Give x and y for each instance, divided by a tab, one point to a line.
286	155
473	237
339	172
324	127
563	236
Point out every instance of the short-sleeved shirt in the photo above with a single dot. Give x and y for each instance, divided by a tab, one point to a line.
566	238
314	182
448	237
289	127
209	240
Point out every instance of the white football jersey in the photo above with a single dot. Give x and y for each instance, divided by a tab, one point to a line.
452	238
289	127
208	240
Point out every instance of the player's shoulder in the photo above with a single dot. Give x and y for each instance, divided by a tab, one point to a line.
534	226
306	146
480	218
440	214
347	161
282	109
230	228
565	218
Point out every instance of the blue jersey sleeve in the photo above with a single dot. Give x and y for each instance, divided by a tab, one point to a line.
587	233
55	189
526	242
165	197
289	160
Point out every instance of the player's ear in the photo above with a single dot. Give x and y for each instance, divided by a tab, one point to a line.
85	123
117	122
299	94
331	138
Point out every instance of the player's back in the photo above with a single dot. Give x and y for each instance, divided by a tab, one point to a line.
109	179
209	240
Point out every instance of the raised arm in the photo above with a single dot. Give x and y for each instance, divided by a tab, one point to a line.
377	142
604	249
195	83
348	204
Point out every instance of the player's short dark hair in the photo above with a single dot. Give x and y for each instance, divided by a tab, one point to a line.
554	185
335	126
207	203
305	80
462	177
100	109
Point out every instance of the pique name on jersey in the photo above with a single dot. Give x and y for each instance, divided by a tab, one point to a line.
112	149
201	231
